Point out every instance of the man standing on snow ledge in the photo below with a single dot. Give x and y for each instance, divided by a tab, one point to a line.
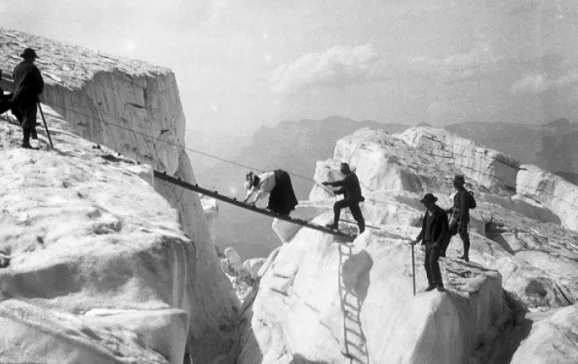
28	85
351	191
433	231
278	185
460	217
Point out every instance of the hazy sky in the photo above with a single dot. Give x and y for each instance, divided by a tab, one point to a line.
243	63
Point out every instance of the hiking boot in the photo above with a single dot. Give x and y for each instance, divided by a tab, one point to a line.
430	287
331	226
27	146
441	288
361	226
464	257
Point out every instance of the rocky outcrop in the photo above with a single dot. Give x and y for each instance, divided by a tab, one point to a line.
134	108
489	168
551	191
211	210
98	269
322	301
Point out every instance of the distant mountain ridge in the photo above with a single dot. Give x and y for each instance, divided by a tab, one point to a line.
550	146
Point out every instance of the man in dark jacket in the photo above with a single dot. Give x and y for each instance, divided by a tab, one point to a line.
460	218
433	231
28	85
351	191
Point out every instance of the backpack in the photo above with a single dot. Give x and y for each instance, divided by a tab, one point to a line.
471	201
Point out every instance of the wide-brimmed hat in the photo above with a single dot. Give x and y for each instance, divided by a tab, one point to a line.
28	53
459	178
429	197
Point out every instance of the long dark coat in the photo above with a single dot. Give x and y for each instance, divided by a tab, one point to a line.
28	85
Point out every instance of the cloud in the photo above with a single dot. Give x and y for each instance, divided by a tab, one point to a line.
532	84
521	7
542	82
454	68
339	66
343	66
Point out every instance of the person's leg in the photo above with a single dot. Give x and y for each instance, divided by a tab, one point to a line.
426	263
452	230
28	121
435	268
26	138
18	113
466	240
357	216
336	212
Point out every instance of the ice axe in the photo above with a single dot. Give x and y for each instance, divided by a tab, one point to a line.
45	126
413	268
412	264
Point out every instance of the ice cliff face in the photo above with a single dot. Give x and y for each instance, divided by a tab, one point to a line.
134	108
97	268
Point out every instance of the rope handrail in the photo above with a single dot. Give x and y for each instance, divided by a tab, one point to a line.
157	139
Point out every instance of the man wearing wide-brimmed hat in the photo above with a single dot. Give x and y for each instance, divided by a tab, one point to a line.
28	85
433	231
277	185
460	217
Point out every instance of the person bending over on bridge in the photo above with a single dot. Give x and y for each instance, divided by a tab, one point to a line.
28	85
433	231
351	191
277	184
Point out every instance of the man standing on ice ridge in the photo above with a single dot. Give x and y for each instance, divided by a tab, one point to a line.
28	85
351	191
433	232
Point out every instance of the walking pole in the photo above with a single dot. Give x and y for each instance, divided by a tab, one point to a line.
413	268
45	126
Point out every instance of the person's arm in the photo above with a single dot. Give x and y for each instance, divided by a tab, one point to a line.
39	81
249	195
258	195
340	183
463	206
443	228
422	232
337	183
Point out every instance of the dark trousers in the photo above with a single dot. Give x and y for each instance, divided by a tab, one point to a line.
26	115
355	211
432	266
26	133
453	229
